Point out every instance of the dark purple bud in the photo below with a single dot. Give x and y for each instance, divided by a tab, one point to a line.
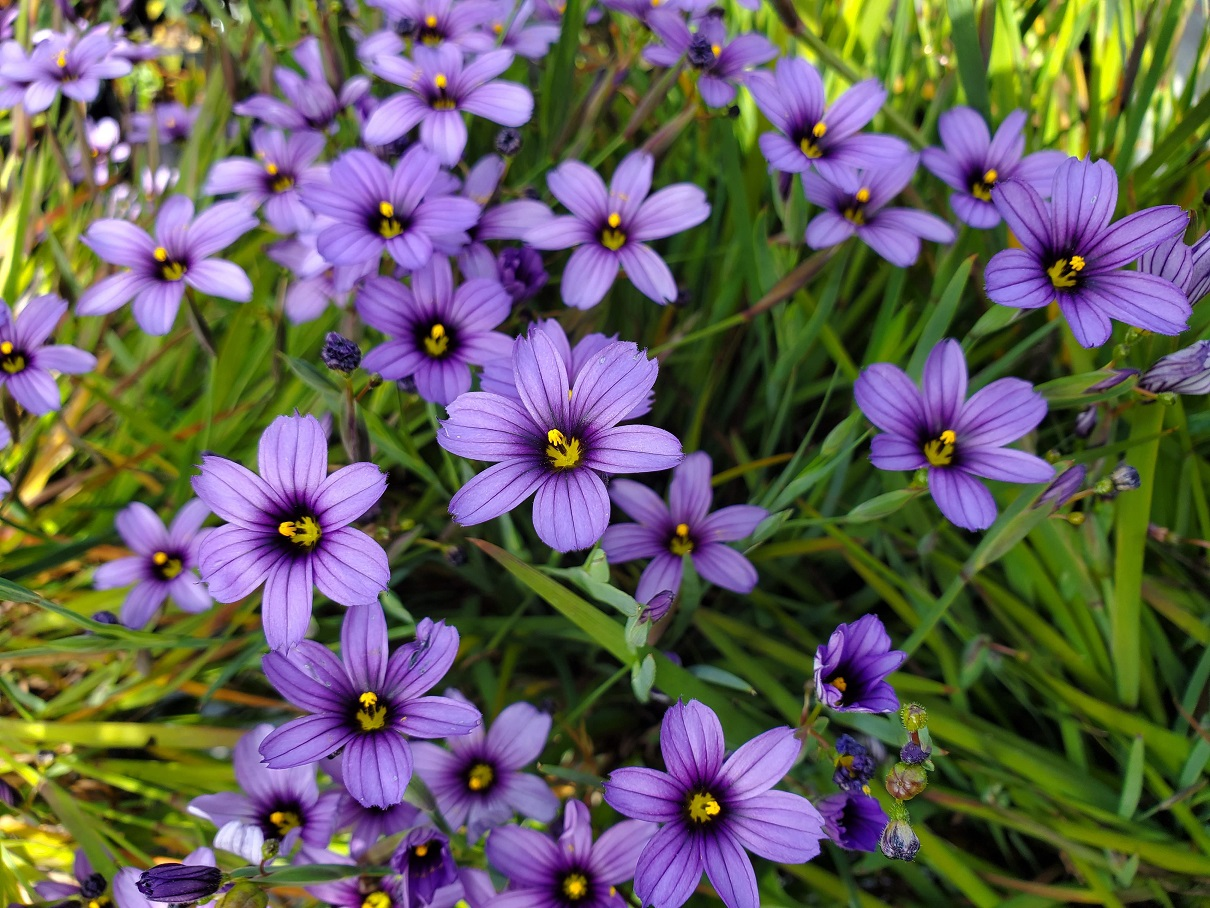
1086	421
1125	478
404	27
105	617
407	384
898	842
9	795
912	753
854	765
1067	484
508	141
521	272
340	354
93	886
1119	376
657	606
180	884
700	52
455	556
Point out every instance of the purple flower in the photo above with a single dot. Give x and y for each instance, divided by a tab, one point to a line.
312	102
437	332
851	668
1186	266
440	87
163	563
127	891
161	268
478	782
317	283
1073	255
424	865
369	824
282	169
558	442
498	377
853	820
26	360
720	64
505	221
173	121
72	64
854	765
812	133
666	534
288	528
510	21
572	871
713	811
279	804
1185	372
472	887
518	268
955	439
89	885
374	208
366	703
972	162
854	203
612	228
431	23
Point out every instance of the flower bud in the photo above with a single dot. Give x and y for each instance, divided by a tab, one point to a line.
913	753
105	617
508	141
657	606
340	354
243	895
1086	421
180	884
898	842
1125	478
93	886
914	716
906	781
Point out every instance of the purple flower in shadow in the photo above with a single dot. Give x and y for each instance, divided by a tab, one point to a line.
957	440
685	526
720	64
853	820
851	668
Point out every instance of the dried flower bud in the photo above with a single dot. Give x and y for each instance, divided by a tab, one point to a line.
508	141
340	354
180	884
913	753
93	886
1125	478
898	841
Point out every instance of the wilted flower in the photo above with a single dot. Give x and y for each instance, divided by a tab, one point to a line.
289	529
898	841
955	439
366	703
973	161
26	360
520	270
437	332
852	820
655	608
572	871
685	526
373	207
440	88
179	884
854	203
340	354
558	442
1073	255
281	805
312	103
424	864
852	667
854	765
508	141
720	64
104	138
814	133
282	168
912	753
163	564
713	810
1086	421
161	268
611	228
1184	372
478	782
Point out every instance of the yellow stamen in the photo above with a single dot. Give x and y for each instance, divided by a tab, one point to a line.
555	437
819	130
940	451
704	807
386	209
441	81
949	437
991	176
611	236
498	28
575	885
376	900
680	543
284	820
430	21
161	254
437	343
856	211
61	60
480	777
563	453
421	850
304	531
11	361
715	49
283	183
6	347
271	168
982	189
614	220
1063	273
839	683
372	715
388	226
169	567
863	195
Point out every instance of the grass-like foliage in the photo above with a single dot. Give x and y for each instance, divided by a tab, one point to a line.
868	395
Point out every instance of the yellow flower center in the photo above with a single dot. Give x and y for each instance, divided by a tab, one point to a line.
11	361
437	343
840	684
377	899
612	237
856	211
166	566
282	182
284	821
1063	272
304	531
808	144
61	60
498	27
703	807
429	35
101	901
575	886
982	189
388	225
562	452
430	21
373	715
480	777
940	450
680	543
170	269
421	850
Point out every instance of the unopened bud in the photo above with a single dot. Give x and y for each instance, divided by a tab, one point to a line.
898	841
914	716
905	781
1086	421
180	884
1125	478
913	753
